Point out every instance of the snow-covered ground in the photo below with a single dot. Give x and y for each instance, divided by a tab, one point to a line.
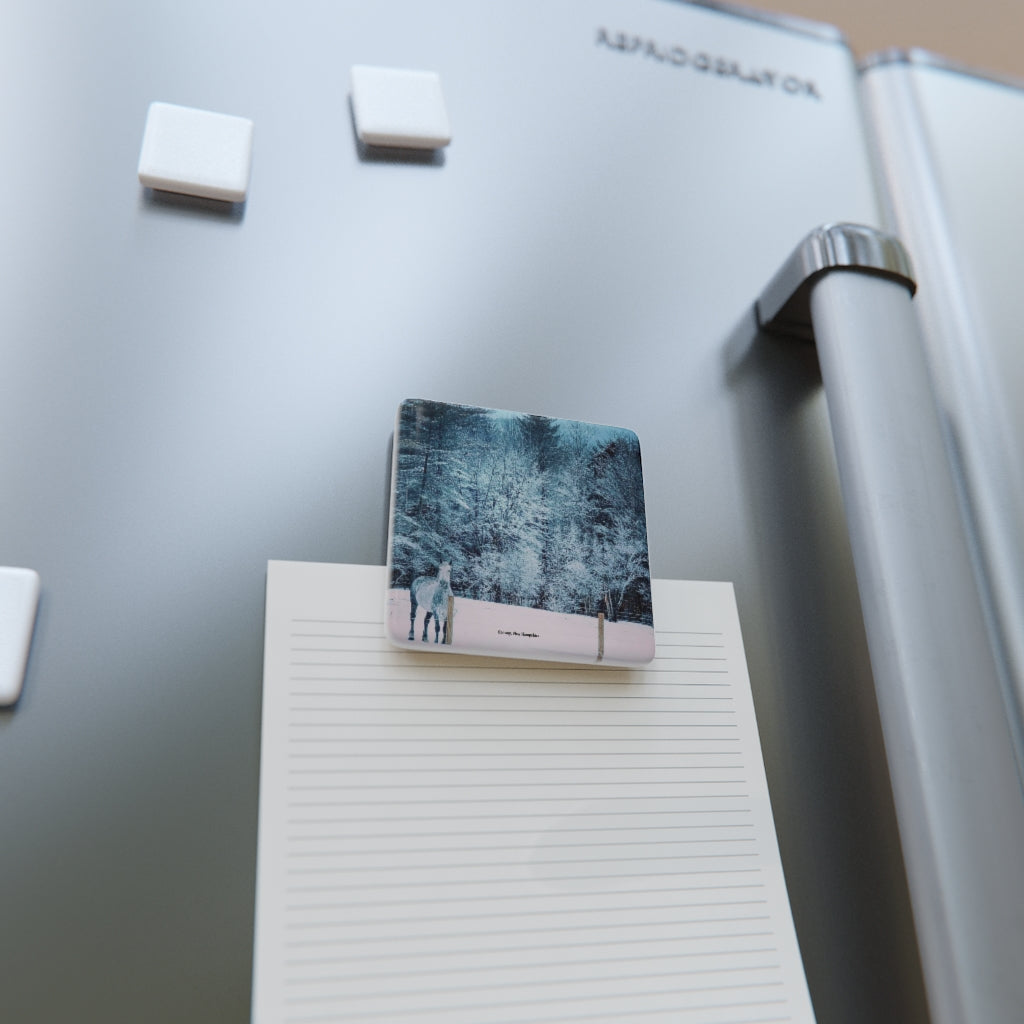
482	627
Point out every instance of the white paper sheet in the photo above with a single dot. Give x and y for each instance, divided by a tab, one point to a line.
458	839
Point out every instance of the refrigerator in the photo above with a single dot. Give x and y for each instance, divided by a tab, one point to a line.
192	387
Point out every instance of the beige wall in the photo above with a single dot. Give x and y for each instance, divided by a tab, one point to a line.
985	34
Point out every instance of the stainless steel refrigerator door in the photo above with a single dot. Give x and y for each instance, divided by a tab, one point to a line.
950	154
189	390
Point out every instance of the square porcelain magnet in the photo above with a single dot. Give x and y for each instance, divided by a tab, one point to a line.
517	535
196	152
398	107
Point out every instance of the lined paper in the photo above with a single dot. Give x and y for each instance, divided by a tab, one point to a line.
459	839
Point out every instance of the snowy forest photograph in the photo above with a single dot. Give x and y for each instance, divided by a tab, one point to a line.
520	511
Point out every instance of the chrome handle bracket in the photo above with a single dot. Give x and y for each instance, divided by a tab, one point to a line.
784	307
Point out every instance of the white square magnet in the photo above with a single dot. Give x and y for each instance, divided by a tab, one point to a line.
395	107
19	599
196	152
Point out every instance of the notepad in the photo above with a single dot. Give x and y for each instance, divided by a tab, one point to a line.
458	839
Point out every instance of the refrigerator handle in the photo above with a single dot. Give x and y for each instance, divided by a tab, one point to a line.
784	306
952	735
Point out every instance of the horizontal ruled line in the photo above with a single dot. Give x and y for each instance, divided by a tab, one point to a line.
347	663
451	740
597	944
535	864
688	632
592	672
347	621
419	884
513	725
376	630
524	754
666	646
512	800
457	834
405	972
502	926
533	985
675	812
588	1017
575	894
522	691
576	713
633	1012
690	955
530	684
576	701
499	930
552	846
460	1007
681	657
537	768
475	936
497	787
316	961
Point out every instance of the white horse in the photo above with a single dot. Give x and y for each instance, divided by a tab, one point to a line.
432	592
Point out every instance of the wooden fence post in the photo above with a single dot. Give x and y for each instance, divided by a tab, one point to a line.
449	622
600	636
